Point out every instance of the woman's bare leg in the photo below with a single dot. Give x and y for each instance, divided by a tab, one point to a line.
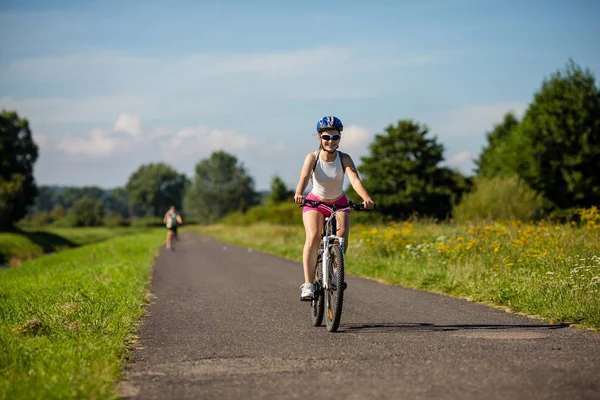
313	225
343	225
169	237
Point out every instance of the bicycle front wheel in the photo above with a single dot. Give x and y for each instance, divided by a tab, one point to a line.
334	296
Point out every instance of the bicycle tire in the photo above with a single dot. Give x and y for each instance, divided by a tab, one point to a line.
334	298
318	302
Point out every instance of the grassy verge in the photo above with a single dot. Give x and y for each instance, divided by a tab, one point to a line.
66	320
16	247
550	271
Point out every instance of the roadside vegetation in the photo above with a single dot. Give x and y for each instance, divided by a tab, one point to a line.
22	245
68	319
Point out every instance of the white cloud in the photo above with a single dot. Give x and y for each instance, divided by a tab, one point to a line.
200	141
97	143
461	157
41	141
355	137
128	123
161	132
355	141
462	160
190	143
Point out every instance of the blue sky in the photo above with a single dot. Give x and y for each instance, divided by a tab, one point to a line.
109	85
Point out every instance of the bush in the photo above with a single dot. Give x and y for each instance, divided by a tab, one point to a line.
500	198
68	221
40	218
115	221
58	212
590	217
570	215
146	222
86	212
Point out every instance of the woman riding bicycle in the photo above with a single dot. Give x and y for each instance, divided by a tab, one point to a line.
326	167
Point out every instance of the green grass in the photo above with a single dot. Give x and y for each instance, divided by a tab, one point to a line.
544	270
66	320
16	247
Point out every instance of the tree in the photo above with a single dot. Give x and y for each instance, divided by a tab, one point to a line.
18	154
153	188
221	185
403	175
558	141
279	192
45	199
116	202
70	195
58	212
49	197
86	212
11	194
495	159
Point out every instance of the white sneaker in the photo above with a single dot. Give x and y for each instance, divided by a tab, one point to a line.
308	292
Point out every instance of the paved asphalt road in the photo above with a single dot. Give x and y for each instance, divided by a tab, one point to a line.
226	323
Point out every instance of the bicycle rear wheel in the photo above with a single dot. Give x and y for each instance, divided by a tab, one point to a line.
334	296
318	302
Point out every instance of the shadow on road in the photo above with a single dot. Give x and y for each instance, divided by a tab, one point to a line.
407	327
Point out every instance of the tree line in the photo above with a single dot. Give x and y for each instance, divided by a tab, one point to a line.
549	159
555	148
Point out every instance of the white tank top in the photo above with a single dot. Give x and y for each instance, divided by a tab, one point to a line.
328	178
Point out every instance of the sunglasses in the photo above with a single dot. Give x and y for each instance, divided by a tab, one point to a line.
330	137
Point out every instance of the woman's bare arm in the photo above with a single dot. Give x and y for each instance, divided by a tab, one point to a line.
355	181
305	173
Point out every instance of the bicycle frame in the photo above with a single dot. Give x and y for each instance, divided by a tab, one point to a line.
329	239
329	235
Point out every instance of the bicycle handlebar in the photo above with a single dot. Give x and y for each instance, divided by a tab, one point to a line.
335	207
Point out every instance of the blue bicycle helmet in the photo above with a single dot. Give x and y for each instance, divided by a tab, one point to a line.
329	122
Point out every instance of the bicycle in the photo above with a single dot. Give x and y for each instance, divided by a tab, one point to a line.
329	270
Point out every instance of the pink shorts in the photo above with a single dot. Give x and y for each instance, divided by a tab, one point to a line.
342	201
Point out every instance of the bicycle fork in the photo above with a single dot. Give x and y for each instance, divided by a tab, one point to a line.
327	243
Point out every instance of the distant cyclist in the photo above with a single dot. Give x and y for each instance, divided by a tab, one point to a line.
326	167
172	219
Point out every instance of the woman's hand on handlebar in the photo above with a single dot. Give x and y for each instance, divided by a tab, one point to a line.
368	204
299	198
